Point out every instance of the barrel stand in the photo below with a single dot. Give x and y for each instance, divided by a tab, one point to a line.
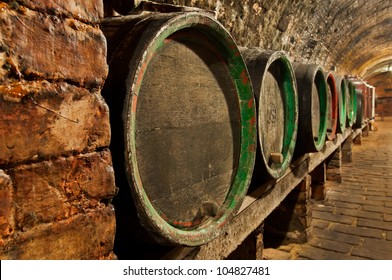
290	222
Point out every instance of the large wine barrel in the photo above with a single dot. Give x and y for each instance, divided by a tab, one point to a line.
359	118
183	122
342	89
312	96
332	105
364	88
275	91
351	104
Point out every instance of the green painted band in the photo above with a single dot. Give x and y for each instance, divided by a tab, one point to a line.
342	85
322	91
290	113
352	105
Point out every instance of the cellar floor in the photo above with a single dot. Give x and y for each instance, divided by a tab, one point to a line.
355	219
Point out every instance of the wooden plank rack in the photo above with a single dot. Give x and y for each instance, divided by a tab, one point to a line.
261	201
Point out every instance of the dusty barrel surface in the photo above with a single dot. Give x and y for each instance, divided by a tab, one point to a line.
351	104
359	119
332	105
342	90
277	109
312	96
183	126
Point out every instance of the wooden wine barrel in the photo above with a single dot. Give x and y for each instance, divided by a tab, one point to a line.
312	96
364	88
342	89
275	91
351	104
183	122
359	118
332	103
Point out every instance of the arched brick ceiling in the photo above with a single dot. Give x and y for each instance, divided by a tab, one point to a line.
353	35
365	40
379	68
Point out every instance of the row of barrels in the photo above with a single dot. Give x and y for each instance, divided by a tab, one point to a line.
194	119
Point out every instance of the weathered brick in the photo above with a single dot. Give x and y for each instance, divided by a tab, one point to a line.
346	205
330	245
379	209
316	223
359	231
41	119
323	208
312	253
353	200
345	190
380	185
365	131
371	254
388	204
377	244
358	140
370	192
6	202
273	254
337	236
55	190
332	217
347	155
50	47
334	174
379	198
85	236
374	224
337	195
85	10
389	235
359	214
387	218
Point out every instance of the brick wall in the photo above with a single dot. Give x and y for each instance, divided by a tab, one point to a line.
56	175
383	84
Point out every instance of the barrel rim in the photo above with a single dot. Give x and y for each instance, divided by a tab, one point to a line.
359	118
223	40
306	75
342	88
352	112
322	89
290	113
331	81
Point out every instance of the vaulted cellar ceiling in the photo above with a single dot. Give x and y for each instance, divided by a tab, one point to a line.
355	36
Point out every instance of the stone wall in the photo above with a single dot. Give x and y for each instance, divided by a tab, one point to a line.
56	175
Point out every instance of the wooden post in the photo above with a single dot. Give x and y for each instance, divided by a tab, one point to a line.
358	140
365	130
